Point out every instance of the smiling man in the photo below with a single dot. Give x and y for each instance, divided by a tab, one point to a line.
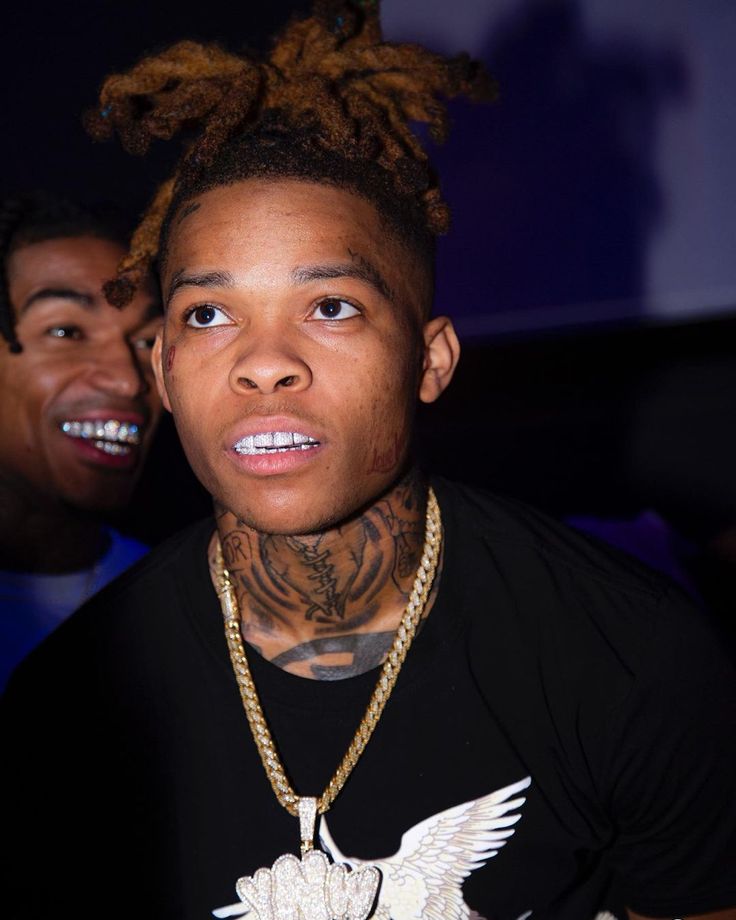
77	411
492	717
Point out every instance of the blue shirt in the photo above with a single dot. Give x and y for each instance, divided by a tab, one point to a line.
32	605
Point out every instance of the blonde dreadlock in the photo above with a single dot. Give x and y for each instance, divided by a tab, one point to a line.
330	75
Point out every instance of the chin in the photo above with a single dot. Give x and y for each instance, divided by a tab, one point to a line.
289	525
100	501
294	518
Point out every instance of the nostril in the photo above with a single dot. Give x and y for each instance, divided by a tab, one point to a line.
268	383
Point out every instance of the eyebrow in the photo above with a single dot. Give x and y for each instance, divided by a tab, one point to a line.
52	293
86	301
363	270
198	279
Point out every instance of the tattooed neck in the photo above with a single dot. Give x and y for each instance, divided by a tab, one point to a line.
326	605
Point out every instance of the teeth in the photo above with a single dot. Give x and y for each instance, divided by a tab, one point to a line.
116	450
108	430
283	439
274	442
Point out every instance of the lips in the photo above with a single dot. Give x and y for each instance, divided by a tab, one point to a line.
109	435
274	442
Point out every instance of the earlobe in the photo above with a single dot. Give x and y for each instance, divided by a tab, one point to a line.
441	354
158	370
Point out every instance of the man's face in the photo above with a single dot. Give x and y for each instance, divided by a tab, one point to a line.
292	351
77	405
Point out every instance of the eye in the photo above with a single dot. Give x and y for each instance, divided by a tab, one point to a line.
335	308
65	332
205	316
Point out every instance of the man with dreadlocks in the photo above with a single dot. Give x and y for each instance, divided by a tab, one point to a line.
77	412
557	742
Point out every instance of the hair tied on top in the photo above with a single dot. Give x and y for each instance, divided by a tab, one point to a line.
330	75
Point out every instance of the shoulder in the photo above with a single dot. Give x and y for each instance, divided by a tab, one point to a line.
123	547
142	603
510	529
563	594
122	553
578	645
155	568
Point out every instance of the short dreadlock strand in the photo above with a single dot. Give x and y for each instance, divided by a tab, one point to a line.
226	116
330	74
162	93
301	46
120	290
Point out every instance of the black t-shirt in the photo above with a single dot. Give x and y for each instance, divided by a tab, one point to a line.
573	702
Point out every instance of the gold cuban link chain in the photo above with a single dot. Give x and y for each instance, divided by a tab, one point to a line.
389	672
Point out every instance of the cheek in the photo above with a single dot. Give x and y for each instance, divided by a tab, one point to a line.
186	377
193	398
27	391
390	438
40	385
390	411
386	458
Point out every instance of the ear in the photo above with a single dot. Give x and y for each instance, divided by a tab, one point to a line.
158	368
441	354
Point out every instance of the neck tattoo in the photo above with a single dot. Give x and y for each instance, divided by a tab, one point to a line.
331	605
324	606
334	891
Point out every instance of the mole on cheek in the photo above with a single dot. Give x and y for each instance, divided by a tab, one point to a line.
170	355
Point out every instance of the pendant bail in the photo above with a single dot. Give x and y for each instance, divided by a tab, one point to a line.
307	806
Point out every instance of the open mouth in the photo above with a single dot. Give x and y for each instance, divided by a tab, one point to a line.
274	442
108	435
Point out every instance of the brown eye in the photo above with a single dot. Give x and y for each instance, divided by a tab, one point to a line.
206	315
334	308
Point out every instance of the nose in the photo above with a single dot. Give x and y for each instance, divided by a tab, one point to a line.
118	371
268	367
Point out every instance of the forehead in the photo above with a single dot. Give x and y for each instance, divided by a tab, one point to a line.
310	208
273	226
81	259
77	264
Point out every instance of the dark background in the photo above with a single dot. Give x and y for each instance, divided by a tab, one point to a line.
606	414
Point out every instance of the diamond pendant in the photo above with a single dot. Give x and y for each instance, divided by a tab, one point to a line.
310	888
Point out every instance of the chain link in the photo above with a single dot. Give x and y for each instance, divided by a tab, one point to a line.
389	673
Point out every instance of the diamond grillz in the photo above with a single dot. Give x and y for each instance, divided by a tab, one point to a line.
268	442
106	434
108	447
